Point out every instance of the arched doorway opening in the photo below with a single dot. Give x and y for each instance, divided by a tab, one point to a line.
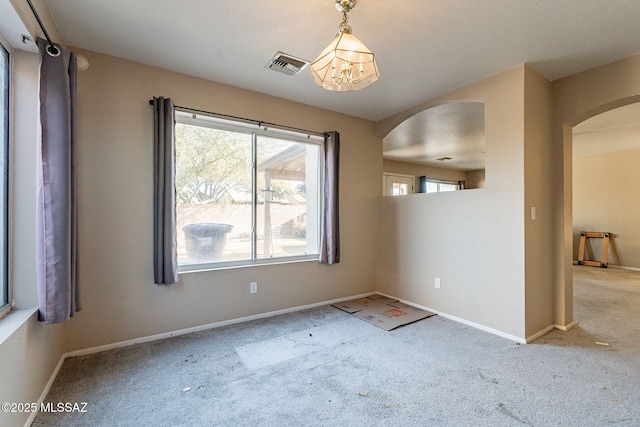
605	155
573	116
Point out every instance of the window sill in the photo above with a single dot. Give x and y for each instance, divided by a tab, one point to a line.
261	263
13	321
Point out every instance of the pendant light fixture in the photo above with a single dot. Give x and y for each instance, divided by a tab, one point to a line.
346	64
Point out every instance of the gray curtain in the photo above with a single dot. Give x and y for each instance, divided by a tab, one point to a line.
330	234
56	216
165	257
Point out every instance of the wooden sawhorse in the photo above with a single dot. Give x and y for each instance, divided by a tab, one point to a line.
605	248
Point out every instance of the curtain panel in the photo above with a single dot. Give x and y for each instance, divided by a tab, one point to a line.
330	232
165	256
56	212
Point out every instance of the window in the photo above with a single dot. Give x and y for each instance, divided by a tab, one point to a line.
4	178
245	195
399	189
438	186
396	185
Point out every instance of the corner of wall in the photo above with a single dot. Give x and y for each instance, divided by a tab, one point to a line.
30	357
426	237
539	182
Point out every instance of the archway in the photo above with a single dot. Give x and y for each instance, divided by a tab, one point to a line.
573	108
442	146
606	152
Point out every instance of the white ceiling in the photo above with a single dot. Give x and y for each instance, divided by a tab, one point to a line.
12	28
424	48
453	131
613	131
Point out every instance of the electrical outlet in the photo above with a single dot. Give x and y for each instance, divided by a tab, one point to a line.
533	213
253	287
437	283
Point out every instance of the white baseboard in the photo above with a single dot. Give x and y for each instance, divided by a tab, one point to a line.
622	267
45	392
200	328
460	320
540	333
484	328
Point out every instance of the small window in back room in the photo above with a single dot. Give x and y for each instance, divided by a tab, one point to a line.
438	186
444	143
397	185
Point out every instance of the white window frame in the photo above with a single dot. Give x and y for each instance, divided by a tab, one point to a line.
5	306
390	175
184	116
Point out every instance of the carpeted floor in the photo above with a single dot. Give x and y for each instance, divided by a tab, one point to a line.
324	367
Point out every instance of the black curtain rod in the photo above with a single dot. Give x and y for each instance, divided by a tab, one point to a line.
51	48
242	119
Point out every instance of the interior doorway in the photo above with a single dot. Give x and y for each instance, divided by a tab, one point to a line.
605	155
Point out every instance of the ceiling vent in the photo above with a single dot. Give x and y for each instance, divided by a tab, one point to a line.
287	64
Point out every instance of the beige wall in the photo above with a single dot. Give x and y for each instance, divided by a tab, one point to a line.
473	240
476	179
538	185
28	358
115	168
31	350
606	198
577	98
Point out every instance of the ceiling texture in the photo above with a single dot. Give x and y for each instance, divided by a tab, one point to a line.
612	131
424	48
454	133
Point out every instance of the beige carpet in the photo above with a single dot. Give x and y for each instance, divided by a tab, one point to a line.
324	367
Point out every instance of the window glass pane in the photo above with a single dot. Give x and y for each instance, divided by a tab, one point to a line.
243	195
287	198
448	187
399	189
214	191
432	187
4	171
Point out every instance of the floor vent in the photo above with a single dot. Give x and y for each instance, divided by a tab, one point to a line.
287	64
